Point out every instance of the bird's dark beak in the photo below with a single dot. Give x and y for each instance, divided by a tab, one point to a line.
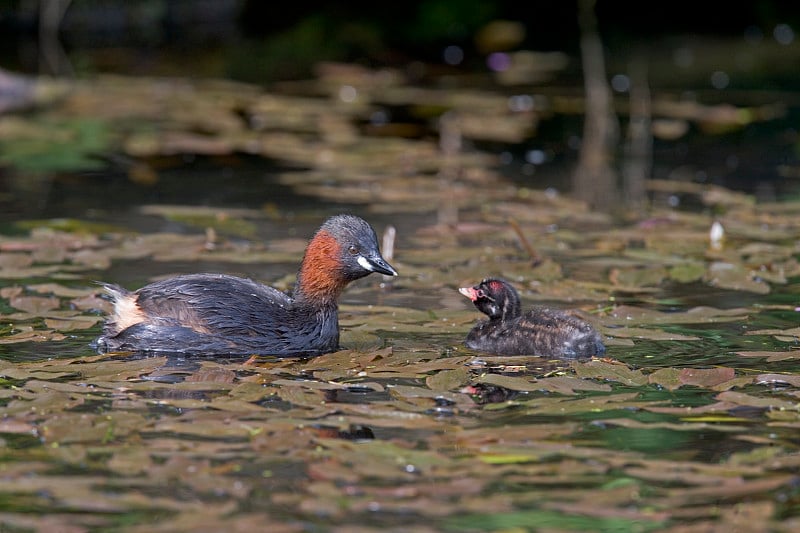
469	292
378	264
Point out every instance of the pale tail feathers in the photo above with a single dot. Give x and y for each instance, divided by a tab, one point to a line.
126	311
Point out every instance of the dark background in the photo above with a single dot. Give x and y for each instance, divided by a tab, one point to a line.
256	40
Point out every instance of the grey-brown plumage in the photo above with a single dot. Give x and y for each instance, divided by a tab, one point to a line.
540	331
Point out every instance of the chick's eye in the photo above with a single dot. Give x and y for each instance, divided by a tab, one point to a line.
353	250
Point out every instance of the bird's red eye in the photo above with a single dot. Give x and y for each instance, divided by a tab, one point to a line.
480	294
353	250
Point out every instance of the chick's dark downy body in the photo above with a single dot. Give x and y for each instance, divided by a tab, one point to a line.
221	314
540	331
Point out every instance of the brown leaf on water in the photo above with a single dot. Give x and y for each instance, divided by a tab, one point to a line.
121	371
624	315
73	323
204	424
64	428
12	425
727	275
764	253
729	490
72	493
509	382
651	334
93	259
718	411
424	398
609	371
717	425
734	383
512	435
507	364
61	522
233	405
57	289
34	304
43	403
563	406
130	460
97	367
570	385
705	377
566	385
685	472
10	292
92	302
758	515
76	389
771	357
386	460
212	375
788	334
32	336
14	261
637	276
301	396
778	379
313	385
14	371
250	391
400	414
217	517
413	364
344	360
771	402
38	271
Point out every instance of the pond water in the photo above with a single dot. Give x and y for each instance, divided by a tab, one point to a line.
691	423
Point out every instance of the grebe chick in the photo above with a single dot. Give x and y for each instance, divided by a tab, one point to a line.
540	331
221	314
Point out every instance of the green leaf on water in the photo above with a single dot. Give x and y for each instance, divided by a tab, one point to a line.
687	272
446	380
669	378
54	145
508	458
